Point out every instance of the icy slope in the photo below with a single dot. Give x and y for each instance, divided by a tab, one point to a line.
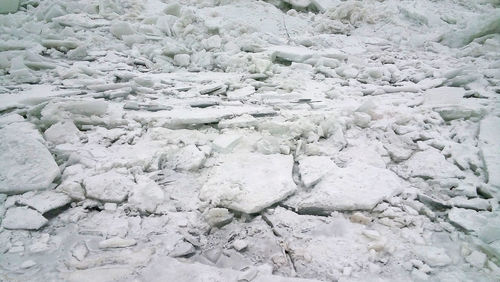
294	140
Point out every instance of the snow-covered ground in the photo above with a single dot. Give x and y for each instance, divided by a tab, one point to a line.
245	140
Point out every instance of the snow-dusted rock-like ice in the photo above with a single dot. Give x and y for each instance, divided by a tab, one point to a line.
23	218
25	164
355	187
249	182
489	134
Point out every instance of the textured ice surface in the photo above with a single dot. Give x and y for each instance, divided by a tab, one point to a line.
489	134
249	182
355	187
23	218
26	164
277	140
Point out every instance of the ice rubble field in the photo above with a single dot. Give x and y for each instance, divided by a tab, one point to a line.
292	140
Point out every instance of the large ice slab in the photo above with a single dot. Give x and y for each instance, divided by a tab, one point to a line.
26	164
489	143
356	187
9	6
450	104
313	168
291	53
23	218
175	270
108	187
45	201
430	164
249	182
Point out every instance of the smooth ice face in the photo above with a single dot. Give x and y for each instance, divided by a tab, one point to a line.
356	187
9	6
489	134
430	164
23	218
108	187
26	164
312	169
249	182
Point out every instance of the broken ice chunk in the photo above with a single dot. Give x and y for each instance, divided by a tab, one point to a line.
182	60
9	6
356	187
110	186
313	168
430	164
226	142
62	132
291	53
23	218
213	42
80	111
241	93
477	259
188	158
450	104
218	217
433	256
45	201
249	182
474	203
240	245
119	29
240	121
26	163
117	242
80	251
182	249
146	195
214	89
489	136
469	220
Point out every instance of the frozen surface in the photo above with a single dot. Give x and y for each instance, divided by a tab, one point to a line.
355	187
244	140
26	164
249	182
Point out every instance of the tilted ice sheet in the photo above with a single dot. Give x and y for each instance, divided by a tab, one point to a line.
356	187
26	164
249	182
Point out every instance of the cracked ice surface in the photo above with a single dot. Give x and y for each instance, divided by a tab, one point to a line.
284	140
